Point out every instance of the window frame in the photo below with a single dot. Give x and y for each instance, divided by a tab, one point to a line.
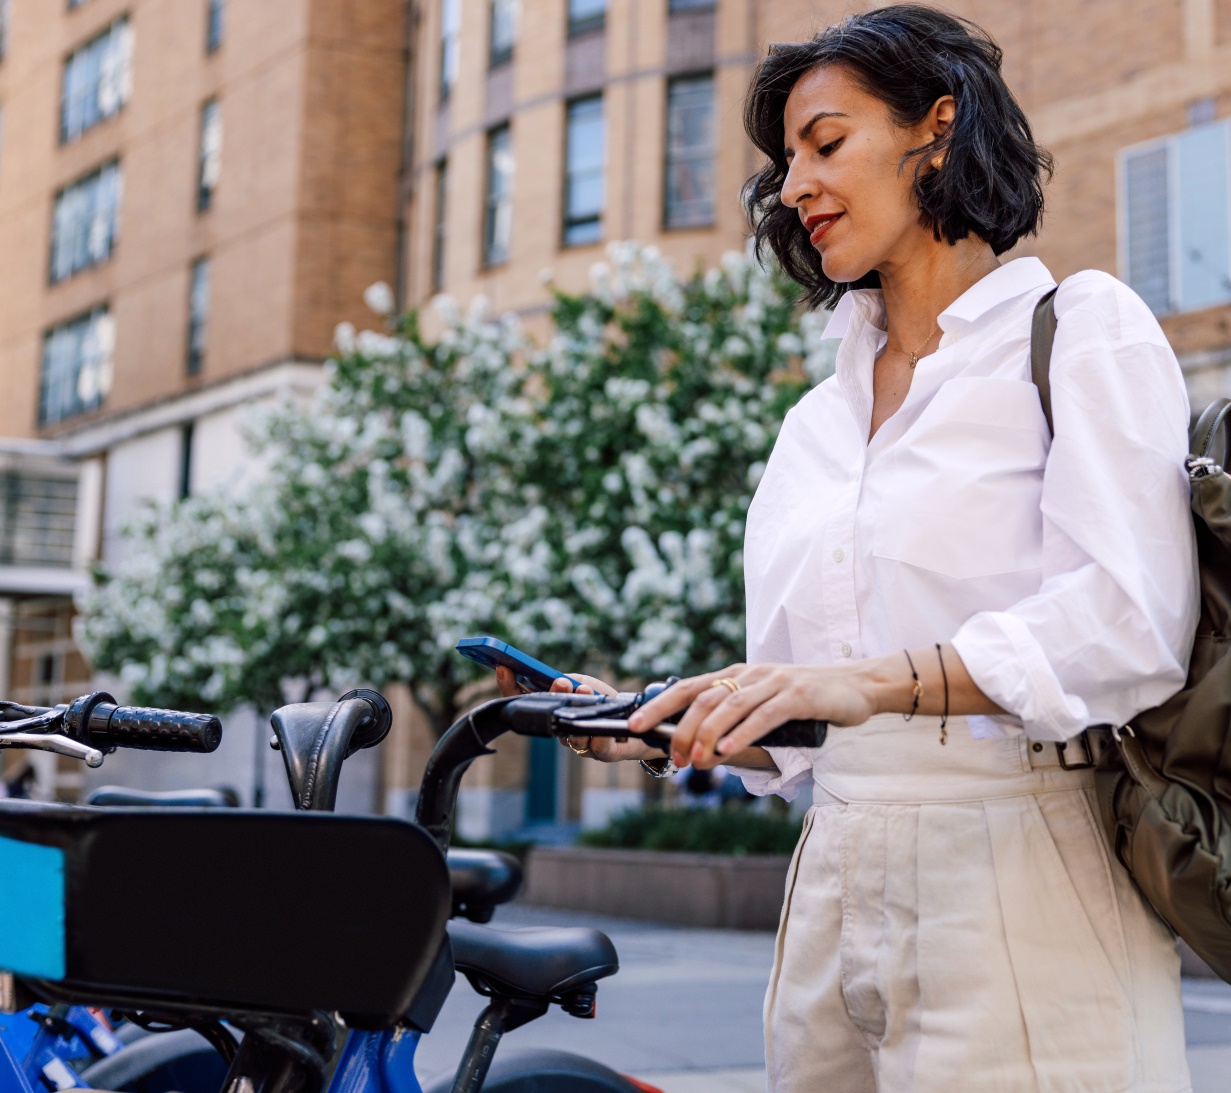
491	202
588	24
675	81
210	113
1169	145
97	312
440	211
568	222
501	54
215	25
449	56
197	331
95	176
120	25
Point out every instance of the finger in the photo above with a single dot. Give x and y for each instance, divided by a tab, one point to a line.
730	712
675	698
683	739
769	715
561	685
507	682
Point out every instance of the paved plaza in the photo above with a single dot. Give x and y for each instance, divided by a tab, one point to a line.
684	1011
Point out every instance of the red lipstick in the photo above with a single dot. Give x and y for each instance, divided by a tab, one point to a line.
820	223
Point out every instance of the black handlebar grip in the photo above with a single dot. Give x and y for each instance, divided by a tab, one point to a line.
796	734
96	720
159	730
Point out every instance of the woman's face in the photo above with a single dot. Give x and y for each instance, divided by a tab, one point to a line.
845	176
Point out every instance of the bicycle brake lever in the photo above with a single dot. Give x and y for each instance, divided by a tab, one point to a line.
52	742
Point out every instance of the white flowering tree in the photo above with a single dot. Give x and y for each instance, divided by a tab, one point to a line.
584	499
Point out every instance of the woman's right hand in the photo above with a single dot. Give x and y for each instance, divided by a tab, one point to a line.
606	749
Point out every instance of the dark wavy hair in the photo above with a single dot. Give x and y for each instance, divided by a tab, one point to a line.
908	56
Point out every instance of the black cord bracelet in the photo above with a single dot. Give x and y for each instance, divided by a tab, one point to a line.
944	717
918	688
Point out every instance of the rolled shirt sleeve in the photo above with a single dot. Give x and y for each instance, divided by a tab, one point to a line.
1110	630
794	771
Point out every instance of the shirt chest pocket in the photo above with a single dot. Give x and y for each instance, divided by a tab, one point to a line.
960	492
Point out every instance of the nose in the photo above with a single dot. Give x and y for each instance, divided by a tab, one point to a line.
797	187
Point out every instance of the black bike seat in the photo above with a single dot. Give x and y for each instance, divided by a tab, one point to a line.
122	797
543	962
316	737
482	880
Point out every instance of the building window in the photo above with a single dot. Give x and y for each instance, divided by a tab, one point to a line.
1176	219
38	519
689	185
438	227
586	15
86	222
502	31
214	15
97	80
584	161
450	45
6	12
498	221
186	439
77	360
198	314
209	155
690	5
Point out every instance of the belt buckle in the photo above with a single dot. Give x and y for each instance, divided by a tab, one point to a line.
1085	747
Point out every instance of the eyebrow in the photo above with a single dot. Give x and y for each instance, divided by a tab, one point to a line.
806	128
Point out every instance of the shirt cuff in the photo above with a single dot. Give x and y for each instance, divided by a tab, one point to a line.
794	769
1008	665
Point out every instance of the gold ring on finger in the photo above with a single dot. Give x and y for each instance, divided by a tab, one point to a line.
726	682
580	751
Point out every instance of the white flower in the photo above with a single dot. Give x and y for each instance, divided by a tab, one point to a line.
379	297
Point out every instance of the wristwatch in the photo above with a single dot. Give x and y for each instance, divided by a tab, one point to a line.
659	768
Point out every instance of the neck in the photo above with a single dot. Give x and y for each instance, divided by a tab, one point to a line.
918	289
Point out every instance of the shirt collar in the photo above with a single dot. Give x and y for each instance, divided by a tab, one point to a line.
1004	283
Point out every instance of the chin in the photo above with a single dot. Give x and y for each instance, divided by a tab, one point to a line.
842	269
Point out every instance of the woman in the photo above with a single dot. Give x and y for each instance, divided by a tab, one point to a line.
928	569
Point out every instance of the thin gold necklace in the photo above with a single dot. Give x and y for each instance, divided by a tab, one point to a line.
914	357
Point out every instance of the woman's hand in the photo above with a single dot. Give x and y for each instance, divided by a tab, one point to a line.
606	749
720	722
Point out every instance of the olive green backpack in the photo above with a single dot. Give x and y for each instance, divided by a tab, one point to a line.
1164	780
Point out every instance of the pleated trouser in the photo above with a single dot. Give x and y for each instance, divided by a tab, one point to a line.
954	921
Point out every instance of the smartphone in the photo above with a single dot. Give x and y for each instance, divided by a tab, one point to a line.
531	674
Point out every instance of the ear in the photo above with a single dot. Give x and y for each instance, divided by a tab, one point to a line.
940	117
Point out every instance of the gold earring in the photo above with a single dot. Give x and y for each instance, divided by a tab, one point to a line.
938	161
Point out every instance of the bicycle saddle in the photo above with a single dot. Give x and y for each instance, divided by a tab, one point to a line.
540	962
482	880
316	737
122	797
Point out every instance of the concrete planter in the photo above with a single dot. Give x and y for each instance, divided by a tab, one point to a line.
714	890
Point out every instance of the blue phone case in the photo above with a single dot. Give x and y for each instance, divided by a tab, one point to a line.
496	653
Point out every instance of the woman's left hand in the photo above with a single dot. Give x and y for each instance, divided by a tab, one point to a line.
720	722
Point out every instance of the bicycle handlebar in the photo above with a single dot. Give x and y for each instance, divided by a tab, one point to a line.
96	720
550	715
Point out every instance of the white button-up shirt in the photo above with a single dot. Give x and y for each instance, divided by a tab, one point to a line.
1063	571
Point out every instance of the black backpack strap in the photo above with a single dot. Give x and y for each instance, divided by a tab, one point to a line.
1042	335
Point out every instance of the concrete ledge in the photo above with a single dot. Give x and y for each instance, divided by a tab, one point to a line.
709	890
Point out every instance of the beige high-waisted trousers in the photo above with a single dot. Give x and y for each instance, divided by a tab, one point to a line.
954	922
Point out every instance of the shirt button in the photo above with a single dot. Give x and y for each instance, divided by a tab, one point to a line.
838	555
846	649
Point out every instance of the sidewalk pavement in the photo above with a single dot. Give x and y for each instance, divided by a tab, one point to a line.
684	1011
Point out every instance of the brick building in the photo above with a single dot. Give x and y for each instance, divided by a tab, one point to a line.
193	192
